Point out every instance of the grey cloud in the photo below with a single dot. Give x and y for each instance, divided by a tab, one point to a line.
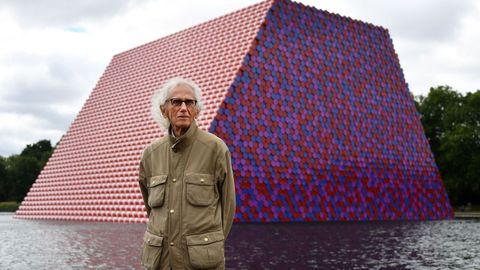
46	116
434	20
42	79
62	13
42	97
17	135
469	77
45	83
10	148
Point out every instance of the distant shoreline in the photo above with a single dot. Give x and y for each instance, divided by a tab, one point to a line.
9	206
467	215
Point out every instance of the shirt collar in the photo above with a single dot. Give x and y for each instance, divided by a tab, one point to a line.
177	143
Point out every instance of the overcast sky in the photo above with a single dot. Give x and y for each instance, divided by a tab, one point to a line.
52	52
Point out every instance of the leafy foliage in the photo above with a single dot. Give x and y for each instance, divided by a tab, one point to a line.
4	183
452	126
9	206
18	172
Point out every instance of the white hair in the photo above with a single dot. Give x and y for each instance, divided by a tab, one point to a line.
162	94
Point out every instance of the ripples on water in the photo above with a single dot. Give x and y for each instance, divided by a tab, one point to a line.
453	244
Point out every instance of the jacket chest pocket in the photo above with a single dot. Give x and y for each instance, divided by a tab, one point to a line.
156	190
200	189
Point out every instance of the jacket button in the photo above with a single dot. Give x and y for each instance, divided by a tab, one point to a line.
148	241
171	243
171	210
206	239
153	182
202	180
174	180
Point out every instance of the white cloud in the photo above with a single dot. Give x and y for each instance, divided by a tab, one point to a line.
428	20
17	129
35	14
450	61
53	52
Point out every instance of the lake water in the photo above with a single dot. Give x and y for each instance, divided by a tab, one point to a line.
451	244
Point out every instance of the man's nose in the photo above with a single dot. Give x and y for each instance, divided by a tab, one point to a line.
183	106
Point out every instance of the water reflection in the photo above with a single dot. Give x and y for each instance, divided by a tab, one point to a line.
356	245
32	244
452	244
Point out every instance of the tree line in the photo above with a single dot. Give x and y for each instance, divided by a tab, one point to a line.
452	126
19	172
451	122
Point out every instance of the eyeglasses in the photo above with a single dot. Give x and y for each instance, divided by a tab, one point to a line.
177	102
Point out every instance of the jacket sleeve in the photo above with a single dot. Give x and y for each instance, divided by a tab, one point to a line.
142	180
227	189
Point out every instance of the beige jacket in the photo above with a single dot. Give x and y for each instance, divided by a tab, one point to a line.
189	193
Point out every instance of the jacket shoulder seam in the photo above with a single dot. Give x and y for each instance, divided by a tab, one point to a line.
154	145
218	143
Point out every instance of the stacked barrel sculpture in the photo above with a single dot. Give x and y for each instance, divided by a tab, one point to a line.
313	106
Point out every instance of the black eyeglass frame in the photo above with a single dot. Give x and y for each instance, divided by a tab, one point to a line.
177	102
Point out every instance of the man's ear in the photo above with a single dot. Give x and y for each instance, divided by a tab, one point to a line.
164	111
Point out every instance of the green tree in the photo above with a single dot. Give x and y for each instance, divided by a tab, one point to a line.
452	126
434	108
21	171
42	150
459	160
3	180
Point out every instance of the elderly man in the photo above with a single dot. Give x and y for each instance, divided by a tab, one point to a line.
187	185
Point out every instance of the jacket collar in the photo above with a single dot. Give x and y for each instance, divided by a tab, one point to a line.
177	143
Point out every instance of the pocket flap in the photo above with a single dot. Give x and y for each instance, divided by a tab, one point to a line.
204	238
152	239
157	180
200	179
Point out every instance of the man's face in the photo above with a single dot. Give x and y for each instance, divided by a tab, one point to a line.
179	109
